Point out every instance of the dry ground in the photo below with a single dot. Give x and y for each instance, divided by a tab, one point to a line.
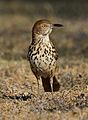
18	86
19	99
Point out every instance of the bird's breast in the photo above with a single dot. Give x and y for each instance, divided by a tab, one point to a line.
42	57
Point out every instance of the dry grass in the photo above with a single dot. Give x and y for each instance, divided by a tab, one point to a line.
19	98
18	86
17	19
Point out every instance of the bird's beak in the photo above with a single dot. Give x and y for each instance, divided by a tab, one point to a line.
58	25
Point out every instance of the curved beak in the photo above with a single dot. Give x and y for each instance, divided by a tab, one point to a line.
58	25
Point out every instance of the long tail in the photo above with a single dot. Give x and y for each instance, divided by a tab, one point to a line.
47	86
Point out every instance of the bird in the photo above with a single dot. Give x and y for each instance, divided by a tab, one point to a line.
43	56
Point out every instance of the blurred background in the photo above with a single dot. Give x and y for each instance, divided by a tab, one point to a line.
18	16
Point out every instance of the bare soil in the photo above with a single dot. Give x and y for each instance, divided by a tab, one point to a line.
19	98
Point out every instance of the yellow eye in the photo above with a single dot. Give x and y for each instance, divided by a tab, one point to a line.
43	25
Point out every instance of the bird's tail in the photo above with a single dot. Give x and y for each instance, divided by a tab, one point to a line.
47	86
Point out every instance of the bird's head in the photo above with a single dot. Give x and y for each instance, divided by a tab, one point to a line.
44	27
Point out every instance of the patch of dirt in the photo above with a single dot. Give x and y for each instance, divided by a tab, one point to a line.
19	98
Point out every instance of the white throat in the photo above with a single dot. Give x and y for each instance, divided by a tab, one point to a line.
45	39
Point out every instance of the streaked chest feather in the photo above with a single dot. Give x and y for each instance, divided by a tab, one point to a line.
42	55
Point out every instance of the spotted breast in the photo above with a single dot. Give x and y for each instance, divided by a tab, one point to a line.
42	58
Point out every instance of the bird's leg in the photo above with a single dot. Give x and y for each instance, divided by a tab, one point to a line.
51	84
39	80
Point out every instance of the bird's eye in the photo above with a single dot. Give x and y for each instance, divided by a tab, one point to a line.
43	25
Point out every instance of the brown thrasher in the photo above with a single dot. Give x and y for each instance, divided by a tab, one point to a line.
42	55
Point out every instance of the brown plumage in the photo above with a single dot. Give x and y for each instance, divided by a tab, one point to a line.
43	56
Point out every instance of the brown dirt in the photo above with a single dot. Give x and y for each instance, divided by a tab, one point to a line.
18	86
19	99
